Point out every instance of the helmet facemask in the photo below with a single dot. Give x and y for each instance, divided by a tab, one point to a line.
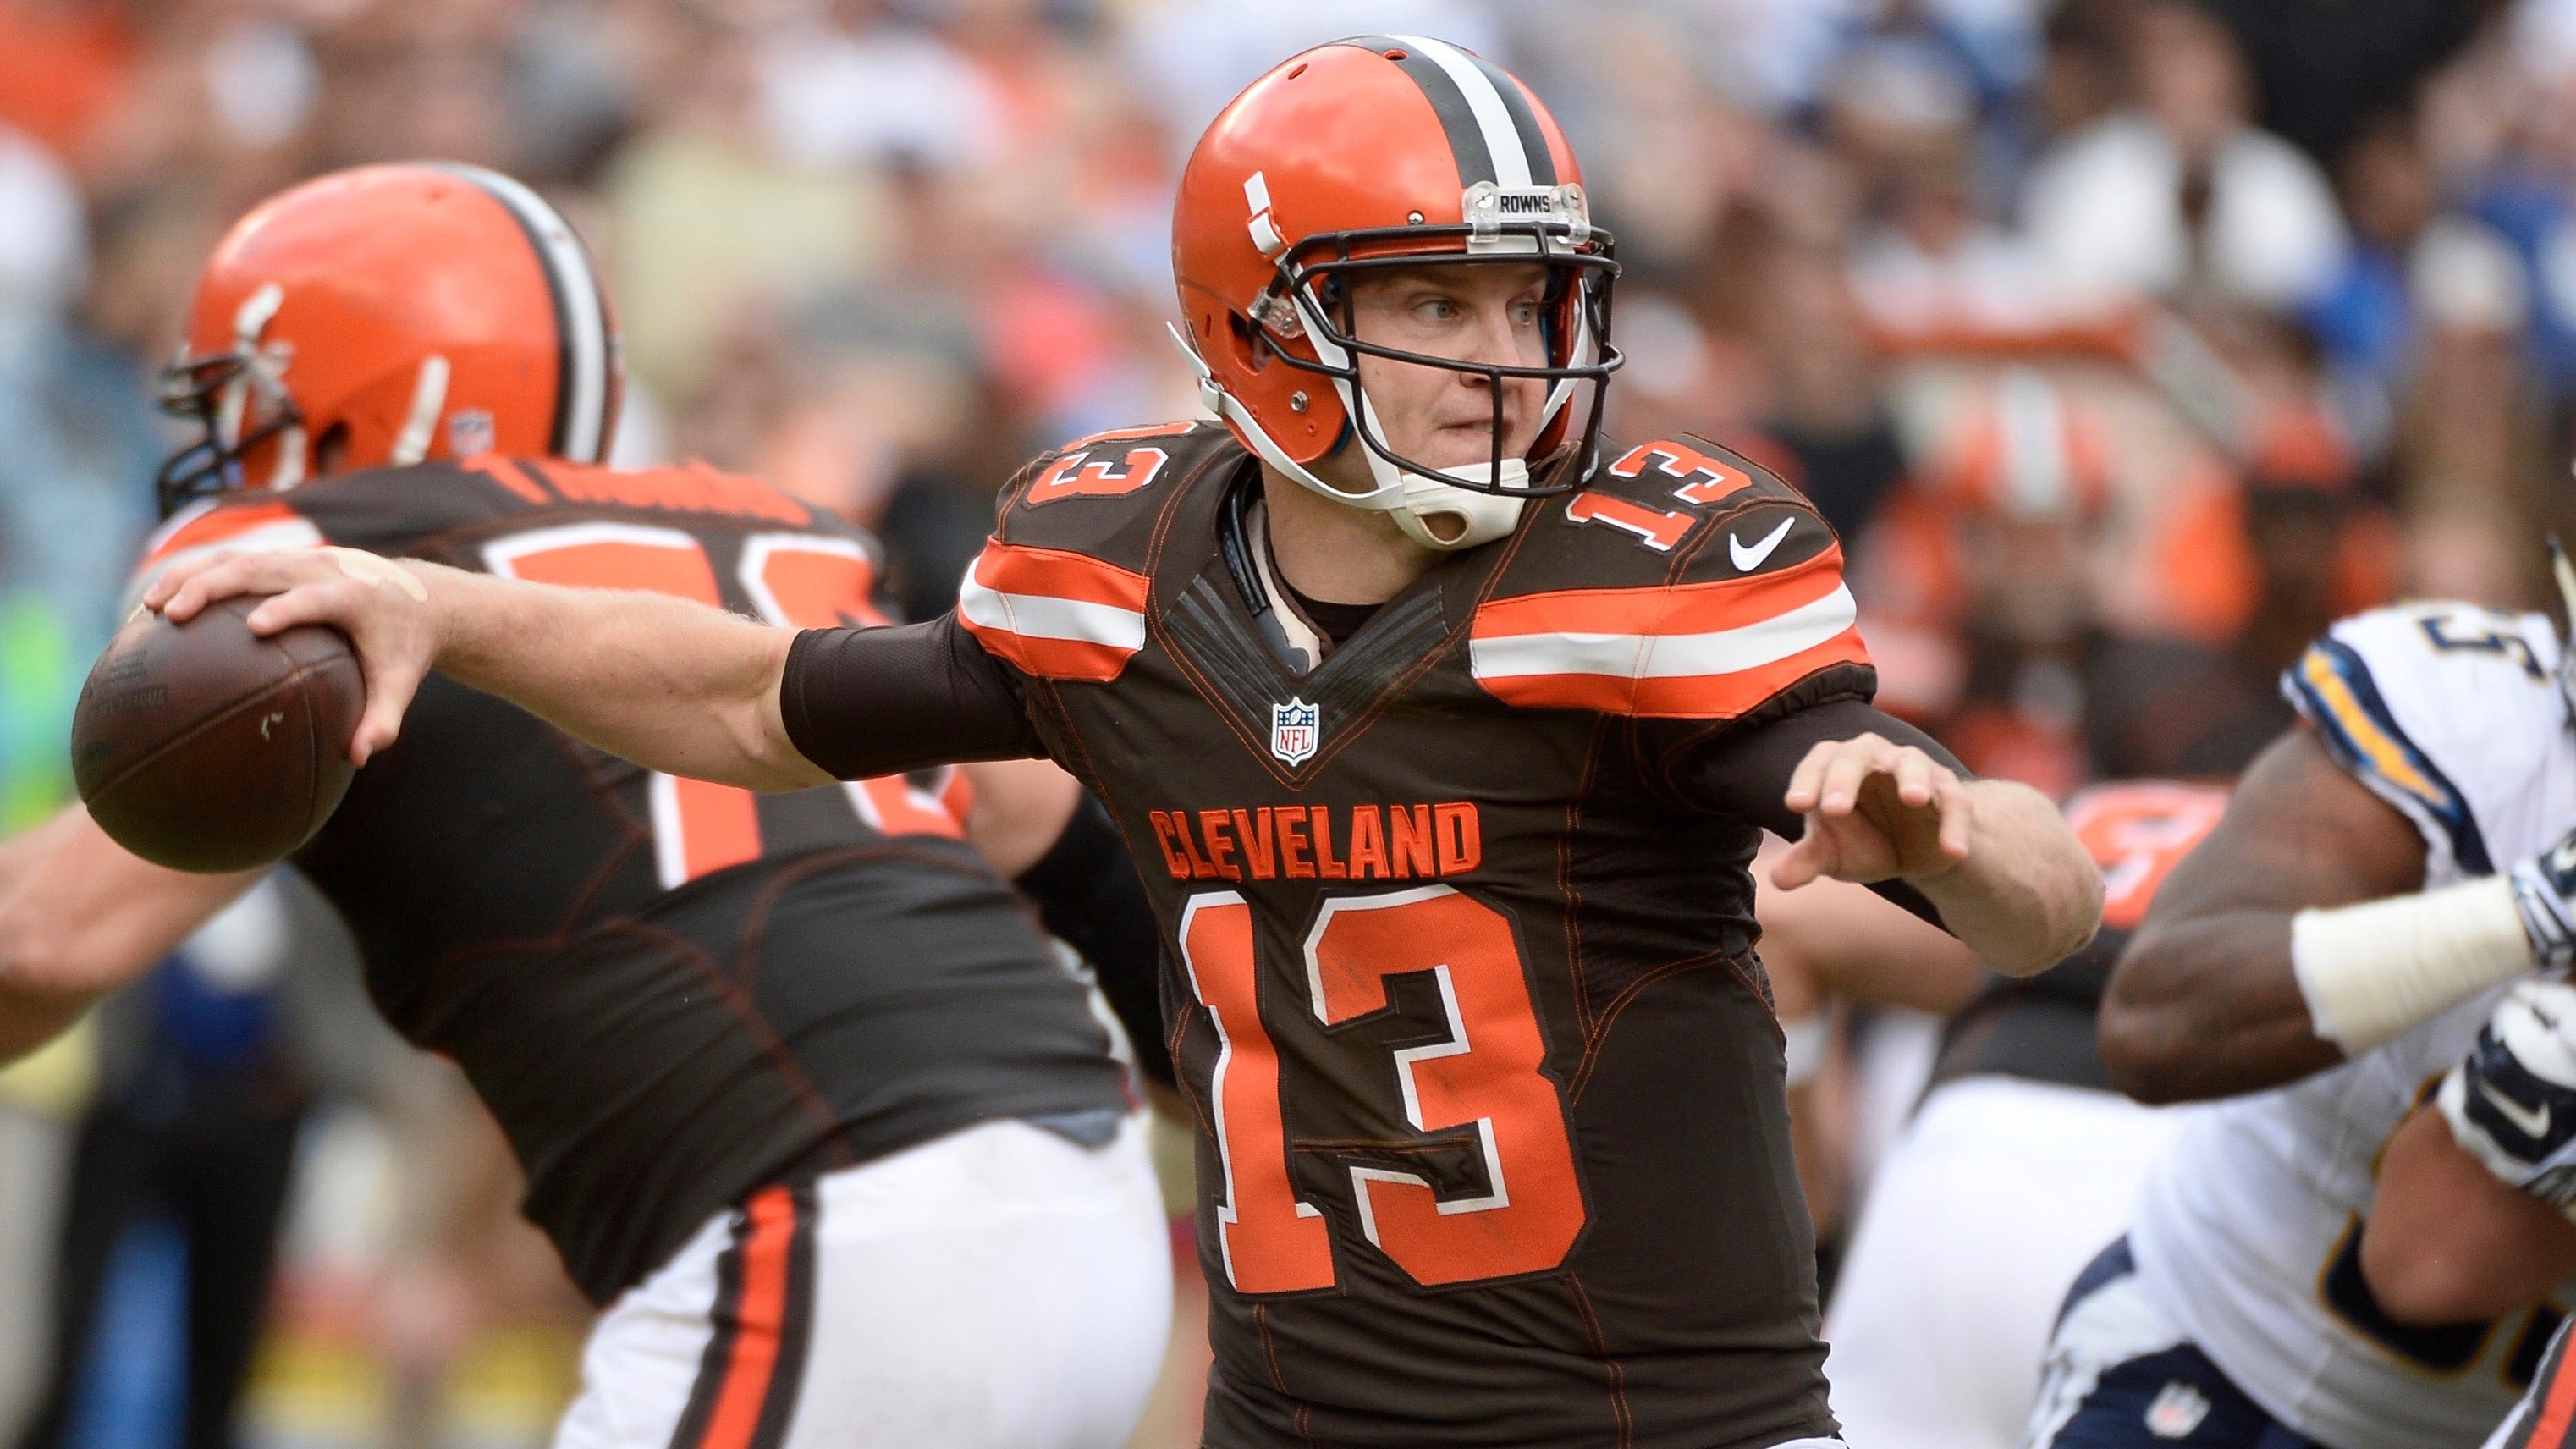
239	397
1462	506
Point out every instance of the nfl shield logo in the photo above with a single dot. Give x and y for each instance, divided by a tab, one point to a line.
1294	727
469	432
2177	1411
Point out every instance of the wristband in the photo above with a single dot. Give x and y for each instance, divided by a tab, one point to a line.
2372	971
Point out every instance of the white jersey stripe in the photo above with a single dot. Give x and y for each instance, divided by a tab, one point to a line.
1669	656
1502	139
1038	616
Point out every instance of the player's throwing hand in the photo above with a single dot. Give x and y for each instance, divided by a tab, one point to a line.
1875	809
382	606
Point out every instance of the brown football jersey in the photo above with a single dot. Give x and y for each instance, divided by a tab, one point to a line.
1491	1129
670	993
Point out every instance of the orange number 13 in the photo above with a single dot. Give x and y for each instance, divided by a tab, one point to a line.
1486	1075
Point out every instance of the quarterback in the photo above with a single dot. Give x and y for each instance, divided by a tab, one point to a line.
1445	733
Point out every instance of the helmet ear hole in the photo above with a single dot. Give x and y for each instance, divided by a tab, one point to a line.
1250	342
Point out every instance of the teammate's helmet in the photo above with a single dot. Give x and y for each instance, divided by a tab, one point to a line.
401	313
1386	151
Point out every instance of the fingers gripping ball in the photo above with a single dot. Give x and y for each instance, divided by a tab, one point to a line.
2512	1102
203	747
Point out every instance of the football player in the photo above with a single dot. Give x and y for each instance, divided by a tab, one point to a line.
2383	871
2019	1164
809	1107
1446	733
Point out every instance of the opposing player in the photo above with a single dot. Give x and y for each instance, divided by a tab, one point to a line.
2381	873
1445	733
2021	1162
805	1102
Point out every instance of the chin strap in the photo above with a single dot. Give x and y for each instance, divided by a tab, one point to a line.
1432	511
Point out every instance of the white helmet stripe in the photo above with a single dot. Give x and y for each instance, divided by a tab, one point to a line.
1493	118
581	408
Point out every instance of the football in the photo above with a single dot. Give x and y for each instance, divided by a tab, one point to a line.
204	747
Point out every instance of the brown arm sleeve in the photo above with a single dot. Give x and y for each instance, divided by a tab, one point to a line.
1746	772
864	702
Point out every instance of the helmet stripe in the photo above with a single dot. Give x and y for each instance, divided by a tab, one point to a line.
1493	119
1542	163
1467	137
581	320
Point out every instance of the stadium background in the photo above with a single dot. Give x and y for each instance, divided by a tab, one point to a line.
2125	341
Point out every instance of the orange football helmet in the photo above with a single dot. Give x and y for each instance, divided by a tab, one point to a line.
1374	152
387	314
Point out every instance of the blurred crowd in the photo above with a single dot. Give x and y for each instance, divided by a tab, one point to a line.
2125	342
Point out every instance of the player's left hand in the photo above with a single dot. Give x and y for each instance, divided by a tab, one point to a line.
1874	809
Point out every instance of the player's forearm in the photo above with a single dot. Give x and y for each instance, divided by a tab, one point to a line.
672	685
2026	894
2207	1001
2234	999
82	919
2447	1242
2208	1006
39	996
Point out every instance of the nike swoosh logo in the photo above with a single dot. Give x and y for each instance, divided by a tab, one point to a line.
1749	559
2532	1124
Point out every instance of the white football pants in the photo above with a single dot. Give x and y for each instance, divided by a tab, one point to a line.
1996	1196
997	1288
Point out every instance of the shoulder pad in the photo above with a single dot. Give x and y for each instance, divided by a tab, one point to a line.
1685	582
378	509
496	485
238	523
243	523
1059	590
2447	711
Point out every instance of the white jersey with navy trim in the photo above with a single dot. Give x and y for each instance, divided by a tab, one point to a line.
2249	1234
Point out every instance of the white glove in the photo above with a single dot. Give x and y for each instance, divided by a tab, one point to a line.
2544	892
2512	1103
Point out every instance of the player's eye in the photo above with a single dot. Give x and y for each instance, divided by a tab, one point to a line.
1436	309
